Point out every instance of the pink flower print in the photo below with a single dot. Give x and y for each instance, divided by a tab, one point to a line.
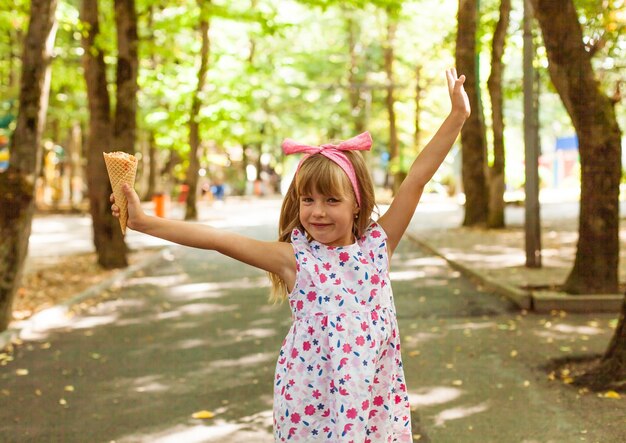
299	305
326	266
373	413
372	255
375	279
364	326
351	413
343	391
374	315
323	278
337	297
306	345
347	377
294	353
317	269
398	399
311	296
288	396
360	340
309	410
365	405
339	327
326	429
317	394
292	432
311	330
375	233
326	414
347	348
403	387
337	281
344	256
378	400
295	418
360	282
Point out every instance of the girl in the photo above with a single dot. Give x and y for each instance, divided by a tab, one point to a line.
339	374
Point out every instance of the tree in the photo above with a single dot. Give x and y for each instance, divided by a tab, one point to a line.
495	218
473	133
593	116
105	134
17	183
191	212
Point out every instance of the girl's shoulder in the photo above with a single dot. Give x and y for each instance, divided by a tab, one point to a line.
374	233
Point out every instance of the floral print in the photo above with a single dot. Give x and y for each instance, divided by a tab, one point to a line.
339	375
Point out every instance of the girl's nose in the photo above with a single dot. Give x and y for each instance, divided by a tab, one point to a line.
319	210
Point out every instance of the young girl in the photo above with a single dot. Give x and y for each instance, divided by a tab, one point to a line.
339	375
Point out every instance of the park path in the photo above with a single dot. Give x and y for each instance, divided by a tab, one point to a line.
193	332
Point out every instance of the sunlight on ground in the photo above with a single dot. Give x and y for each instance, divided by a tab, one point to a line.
40	325
433	396
488	261
260	358
161	281
406	275
459	412
254	428
196	309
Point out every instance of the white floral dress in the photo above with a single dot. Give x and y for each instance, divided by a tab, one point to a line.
339	375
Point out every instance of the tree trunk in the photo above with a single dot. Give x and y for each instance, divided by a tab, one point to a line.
495	218
191	180
17	183
127	66
599	137
152	166
355	78
107	235
417	134
394	155
473	133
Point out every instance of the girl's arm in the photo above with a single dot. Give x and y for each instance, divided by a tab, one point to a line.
399	214
276	257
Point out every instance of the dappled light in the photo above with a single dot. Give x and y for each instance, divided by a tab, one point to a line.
473	326
459	412
267	358
436	395
406	275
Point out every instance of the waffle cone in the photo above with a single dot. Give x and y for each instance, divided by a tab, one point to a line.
122	168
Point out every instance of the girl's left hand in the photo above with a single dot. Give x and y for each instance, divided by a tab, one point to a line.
458	96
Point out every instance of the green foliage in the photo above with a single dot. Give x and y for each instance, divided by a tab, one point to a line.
280	68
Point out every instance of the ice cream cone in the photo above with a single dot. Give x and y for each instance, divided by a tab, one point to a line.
122	168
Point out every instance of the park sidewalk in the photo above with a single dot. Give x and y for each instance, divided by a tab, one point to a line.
496	259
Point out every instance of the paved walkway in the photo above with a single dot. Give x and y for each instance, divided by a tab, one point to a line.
192	331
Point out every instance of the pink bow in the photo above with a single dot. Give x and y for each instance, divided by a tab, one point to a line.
362	142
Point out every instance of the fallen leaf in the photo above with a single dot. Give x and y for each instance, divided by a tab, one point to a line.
610	394
21	372
69	388
203	414
457	382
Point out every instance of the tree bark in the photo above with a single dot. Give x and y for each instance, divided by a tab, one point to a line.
473	133
355	78
107	236
17	183
191	212
127	68
497	185
394	155
599	138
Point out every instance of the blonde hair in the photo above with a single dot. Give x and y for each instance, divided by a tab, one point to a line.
319	173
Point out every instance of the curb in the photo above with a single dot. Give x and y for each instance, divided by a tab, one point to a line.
536	301
31	324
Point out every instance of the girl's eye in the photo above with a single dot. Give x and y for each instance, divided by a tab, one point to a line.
333	200
306	199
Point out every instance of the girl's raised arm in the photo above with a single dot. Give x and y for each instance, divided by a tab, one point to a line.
399	214
276	257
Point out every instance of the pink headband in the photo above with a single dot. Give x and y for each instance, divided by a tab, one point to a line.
362	142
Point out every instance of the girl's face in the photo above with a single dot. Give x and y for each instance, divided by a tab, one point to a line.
328	219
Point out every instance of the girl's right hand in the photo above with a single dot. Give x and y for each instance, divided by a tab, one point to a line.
135	213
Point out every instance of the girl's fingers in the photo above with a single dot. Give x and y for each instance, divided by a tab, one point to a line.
112	198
